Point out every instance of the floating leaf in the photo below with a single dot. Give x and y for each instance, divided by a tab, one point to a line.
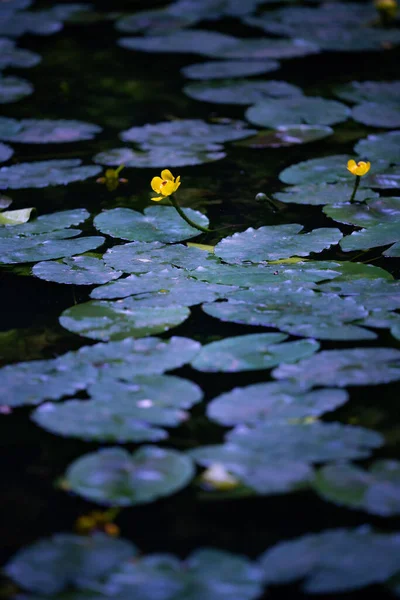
287	135
240	91
45	131
377	114
50	223
335	560
123	412
78	270
264	48
368	214
115	477
6	152
251	352
377	235
43	173
158	21
157	224
374	294
117	320
16	24
354	366
154	157
44	247
222	69
376	491
385	146
13	89
51	565
389	179
298	109
195	41
275	242
10	56
369	91
272	403
322	193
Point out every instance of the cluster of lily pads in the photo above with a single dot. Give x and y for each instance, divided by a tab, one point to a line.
143	278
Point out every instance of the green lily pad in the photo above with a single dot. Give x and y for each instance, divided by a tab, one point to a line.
115	477
45	247
322	193
260	48
43	173
240	91
58	221
298	109
16	24
377	235
45	131
154	157
251	352
369	91
78	270
374	294
185	133
165	577
298	311
6	152
376	491
102	320
335	560
157	224
195	41
208	10
51	565
389	179
275	242
222	69
145	257
154	22
13	89
377	114
330	169
384	146
287	135
354	366
368	214
10	56
272	403
123	412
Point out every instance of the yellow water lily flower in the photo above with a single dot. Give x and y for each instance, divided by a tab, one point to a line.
111	178
218	478
360	168
165	185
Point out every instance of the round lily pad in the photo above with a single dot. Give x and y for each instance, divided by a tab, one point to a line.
154	22
115	477
287	135
157	224
322	193
45	131
376	491
44	247
78	270
154	157
102	320
58	221
377	235
272	403
10	56
195	41
43	173
123	412
275	242
333	561
251	352
260	48
354	366
384	146
51	565
369	91
377	114
298	109
6	152
366	214
240	91
13	89
222	69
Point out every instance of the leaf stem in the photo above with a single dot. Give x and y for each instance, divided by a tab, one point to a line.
186	218
356	184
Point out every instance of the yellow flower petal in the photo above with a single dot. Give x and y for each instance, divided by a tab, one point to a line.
361	168
166	174
167	188
351	165
158	198
156	184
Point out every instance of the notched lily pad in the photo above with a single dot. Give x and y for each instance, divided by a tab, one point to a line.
77	270
222	69
240	91
157	224
297	110
115	477
376	491
44	173
46	131
13	89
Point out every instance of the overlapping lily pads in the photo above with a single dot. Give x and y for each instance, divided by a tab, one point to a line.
297	110
41	174
15	24
123	412
115	477
322	193
223	69
369	91
333	561
11	56
287	135
382	234
251	352
45	131
241	91
384	146
376	491
157	224
195	41
275	242
77	270
354	366
154	157
13	89
370	213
